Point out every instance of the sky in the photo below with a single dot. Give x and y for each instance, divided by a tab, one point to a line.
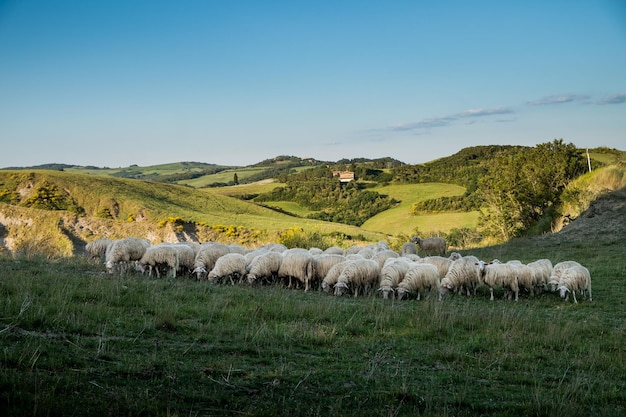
233	82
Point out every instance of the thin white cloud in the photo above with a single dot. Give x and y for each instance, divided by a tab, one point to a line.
483	112
443	121
613	99
558	99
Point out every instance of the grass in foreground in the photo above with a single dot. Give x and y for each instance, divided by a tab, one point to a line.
74	341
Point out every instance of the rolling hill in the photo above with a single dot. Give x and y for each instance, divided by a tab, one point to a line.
57	211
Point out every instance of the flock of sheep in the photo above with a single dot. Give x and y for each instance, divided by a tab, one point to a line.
356	270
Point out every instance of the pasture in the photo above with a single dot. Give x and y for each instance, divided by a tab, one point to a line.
399	220
76	341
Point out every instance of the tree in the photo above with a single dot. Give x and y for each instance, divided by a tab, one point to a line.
521	187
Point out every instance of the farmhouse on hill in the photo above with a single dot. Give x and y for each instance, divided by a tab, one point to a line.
344	176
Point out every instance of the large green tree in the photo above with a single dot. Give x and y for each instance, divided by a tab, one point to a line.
520	187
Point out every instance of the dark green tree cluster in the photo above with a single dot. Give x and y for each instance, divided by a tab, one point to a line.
463	168
334	201
522	187
469	201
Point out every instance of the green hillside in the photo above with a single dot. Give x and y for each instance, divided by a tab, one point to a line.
71	205
399	219
77	208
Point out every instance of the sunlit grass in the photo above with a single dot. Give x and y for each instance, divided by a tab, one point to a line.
400	220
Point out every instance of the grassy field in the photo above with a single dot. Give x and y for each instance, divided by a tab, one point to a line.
225	176
246	189
399	220
74	341
228	175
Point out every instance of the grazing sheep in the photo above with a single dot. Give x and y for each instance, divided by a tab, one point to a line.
275	247
322	264
576	278
315	251
253	254
454	256
233	248
162	255
391	274
264	267
334	250
332	275
367	252
354	249
542	269
431	245
408	248
383	255
419	277
525	277
97	249
412	257
186	256
231	266
557	270
499	275
120	252
442	264
361	274
462	274
297	263
206	257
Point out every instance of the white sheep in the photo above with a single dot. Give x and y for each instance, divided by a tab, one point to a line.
206	257
557	270
297	263
576	278
250	255
234	248
360	274
97	249
354	249
120	252
442	264
431	245
186	256
367	252
329	281
495	275
391	274
541	269
454	256
525	277
322	264
412	257
462	274
334	250
231	265
264	267
383	255
408	248
275	247
162	255
419	278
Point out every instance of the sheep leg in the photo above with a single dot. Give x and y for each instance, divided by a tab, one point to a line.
491	291
574	295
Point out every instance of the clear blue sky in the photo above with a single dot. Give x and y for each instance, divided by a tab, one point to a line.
114	83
